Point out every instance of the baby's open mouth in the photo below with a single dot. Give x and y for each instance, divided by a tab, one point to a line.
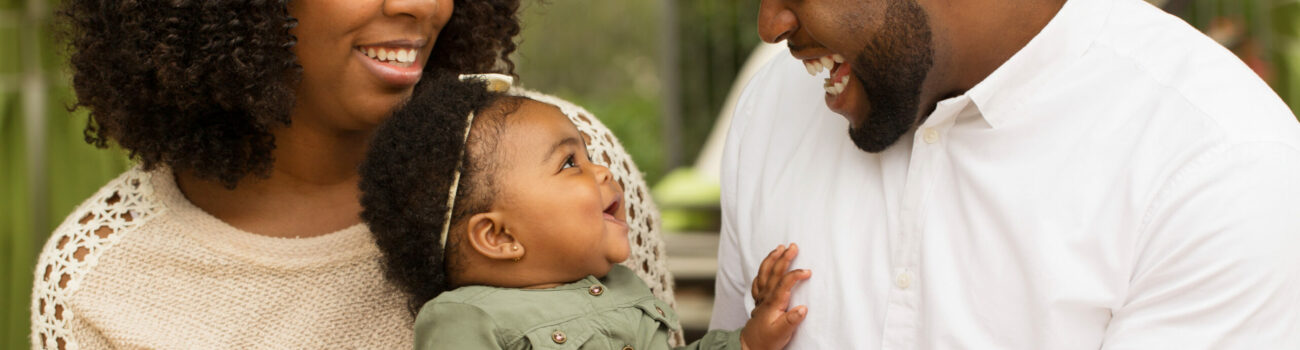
611	211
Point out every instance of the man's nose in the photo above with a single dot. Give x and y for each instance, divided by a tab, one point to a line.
775	21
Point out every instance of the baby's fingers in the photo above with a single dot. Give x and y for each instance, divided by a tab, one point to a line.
788	322
782	266
779	297
759	286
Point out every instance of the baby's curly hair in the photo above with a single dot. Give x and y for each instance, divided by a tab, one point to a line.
199	85
408	171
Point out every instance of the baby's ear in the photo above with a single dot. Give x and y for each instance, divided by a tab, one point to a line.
487	234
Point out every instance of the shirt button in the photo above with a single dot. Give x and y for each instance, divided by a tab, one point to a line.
931	136
559	337
628	347
661	311
903	281
596	290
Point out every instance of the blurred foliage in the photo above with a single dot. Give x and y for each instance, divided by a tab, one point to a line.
601	55
1264	33
688	201
72	169
605	56
716	38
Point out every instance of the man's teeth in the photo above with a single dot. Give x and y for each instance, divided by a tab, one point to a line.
817	65
391	54
837	87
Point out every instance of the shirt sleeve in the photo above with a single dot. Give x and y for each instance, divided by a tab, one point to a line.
1218	263
454	326
716	339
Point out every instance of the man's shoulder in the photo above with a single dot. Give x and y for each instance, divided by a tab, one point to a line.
1184	70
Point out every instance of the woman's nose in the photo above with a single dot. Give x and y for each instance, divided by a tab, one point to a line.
420	9
775	21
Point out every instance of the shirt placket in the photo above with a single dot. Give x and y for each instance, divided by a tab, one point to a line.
902	319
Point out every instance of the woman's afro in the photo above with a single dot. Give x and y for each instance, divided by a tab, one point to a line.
199	85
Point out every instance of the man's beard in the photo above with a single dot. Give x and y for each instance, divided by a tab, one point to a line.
891	67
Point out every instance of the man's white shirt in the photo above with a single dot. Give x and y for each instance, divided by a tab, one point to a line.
1122	182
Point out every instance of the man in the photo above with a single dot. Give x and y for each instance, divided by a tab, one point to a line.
1017	174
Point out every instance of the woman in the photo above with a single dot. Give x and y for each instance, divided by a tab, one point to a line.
240	227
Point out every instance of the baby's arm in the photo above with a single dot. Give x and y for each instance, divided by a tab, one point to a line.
773	322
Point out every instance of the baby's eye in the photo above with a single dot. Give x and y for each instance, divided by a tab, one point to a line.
569	163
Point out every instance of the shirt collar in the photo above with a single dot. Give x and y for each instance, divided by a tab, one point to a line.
1065	38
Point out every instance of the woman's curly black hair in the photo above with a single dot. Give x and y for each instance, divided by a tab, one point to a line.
199	85
407	173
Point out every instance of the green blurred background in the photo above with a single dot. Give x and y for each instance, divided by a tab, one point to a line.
657	72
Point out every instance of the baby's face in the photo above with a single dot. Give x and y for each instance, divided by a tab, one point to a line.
567	212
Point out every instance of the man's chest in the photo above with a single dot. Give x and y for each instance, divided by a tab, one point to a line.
944	238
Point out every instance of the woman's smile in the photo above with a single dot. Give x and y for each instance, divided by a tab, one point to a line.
399	63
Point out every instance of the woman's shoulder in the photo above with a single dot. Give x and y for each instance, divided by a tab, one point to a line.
76	246
119	207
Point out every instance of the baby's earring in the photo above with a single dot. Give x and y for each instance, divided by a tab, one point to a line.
516	248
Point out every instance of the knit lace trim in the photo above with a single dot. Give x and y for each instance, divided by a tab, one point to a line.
75	248
647	258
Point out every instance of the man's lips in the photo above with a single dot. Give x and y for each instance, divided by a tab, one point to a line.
839	72
842	88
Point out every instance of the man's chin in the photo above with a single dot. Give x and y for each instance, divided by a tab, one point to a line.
876	137
852	103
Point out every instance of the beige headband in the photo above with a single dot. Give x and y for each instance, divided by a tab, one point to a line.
495	83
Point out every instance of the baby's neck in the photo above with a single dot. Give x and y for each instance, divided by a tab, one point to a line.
544	285
510	274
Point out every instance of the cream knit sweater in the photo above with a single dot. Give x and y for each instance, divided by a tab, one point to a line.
138	266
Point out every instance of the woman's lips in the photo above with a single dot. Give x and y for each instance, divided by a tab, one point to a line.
392	73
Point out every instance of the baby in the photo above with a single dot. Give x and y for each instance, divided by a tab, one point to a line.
493	218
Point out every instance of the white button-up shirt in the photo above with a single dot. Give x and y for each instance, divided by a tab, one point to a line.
1122	182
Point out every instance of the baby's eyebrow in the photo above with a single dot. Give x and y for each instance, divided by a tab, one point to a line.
567	141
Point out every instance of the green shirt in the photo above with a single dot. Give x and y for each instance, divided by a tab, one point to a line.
617	312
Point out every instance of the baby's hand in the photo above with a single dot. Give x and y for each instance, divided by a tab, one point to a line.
770	326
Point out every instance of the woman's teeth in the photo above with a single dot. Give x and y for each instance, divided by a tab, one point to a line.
829	62
395	56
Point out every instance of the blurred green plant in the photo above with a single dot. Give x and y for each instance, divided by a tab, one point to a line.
716	38
688	201
601	55
606	55
1264	33
32	80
